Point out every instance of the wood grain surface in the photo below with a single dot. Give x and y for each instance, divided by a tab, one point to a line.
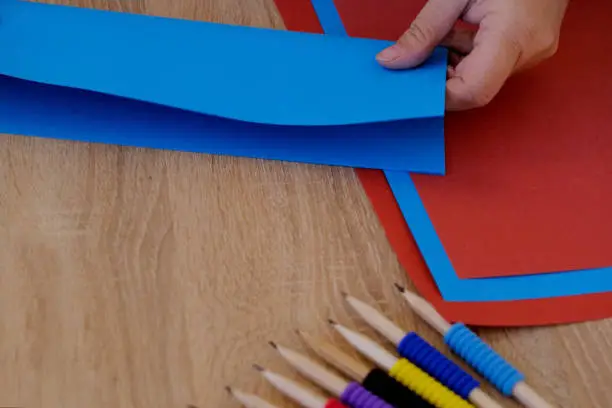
141	278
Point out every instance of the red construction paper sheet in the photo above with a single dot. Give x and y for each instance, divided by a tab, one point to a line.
528	186
300	16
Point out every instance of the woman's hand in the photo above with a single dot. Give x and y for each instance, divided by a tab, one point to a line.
512	35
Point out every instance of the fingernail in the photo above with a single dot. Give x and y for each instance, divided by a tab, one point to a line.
389	54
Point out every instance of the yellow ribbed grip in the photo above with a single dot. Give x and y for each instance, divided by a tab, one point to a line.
429	389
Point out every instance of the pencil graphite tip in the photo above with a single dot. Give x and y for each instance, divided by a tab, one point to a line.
228	389
332	322
400	288
411	297
273	344
258	368
344	294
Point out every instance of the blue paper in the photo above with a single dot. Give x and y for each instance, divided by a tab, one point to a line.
329	18
216	88
452	288
34	109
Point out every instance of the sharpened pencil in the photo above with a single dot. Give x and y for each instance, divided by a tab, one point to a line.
249	400
521	391
316	373
373	379
395	335
417	380
353	368
293	390
350	393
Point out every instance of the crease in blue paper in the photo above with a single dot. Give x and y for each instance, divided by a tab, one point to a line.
453	288
215	88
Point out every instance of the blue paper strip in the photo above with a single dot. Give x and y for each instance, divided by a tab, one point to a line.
329	18
306	97
452	288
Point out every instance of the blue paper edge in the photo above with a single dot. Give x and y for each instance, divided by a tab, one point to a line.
332	24
453	288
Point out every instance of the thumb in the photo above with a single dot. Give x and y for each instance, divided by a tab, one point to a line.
435	20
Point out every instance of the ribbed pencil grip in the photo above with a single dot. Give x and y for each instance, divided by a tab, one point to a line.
378	382
483	358
355	396
334	403
414	348
428	388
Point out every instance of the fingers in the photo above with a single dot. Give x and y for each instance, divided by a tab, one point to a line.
482	73
460	40
454	59
429	28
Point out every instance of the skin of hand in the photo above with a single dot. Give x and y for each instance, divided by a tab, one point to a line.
511	35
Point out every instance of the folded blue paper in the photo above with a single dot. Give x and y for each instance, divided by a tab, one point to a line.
136	80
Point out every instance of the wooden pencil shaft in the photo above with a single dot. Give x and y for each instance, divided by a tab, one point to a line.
522	392
313	371
250	400
528	397
480	399
355	369
393	333
295	391
367	347
377	320
426	311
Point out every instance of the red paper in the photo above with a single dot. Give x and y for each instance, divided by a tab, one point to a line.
529	183
538	312
515	313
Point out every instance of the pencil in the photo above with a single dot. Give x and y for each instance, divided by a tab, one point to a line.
403	371
426	353
249	400
351	394
350	366
477	353
373	379
300	394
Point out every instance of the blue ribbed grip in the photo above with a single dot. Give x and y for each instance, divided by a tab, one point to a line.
483	358
422	354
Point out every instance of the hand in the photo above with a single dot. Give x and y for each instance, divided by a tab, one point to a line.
512	35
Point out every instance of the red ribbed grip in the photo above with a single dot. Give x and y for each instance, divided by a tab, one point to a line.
334	403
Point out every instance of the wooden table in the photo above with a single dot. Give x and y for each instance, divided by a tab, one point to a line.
140	278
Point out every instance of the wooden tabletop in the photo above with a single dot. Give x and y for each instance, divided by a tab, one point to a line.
142	278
